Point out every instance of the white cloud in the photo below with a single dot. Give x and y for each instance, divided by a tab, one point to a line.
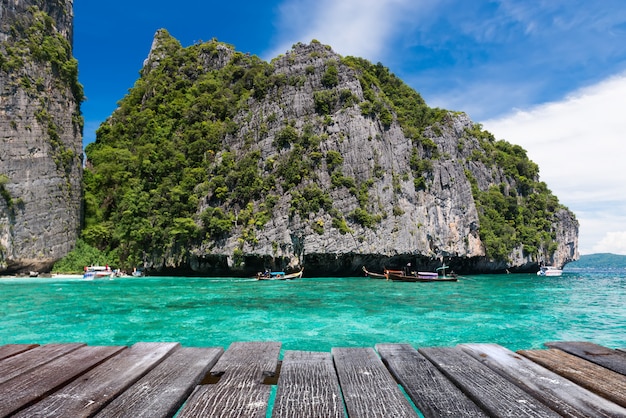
613	242
596	225
579	146
352	27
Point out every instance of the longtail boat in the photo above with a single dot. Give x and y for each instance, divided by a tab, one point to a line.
418	276
279	275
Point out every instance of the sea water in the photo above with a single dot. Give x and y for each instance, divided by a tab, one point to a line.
518	311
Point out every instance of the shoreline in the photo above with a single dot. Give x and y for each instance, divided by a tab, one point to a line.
42	276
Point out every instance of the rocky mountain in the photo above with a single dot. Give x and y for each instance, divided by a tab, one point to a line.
40	135
219	163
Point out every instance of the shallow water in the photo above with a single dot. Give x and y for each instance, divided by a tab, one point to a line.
517	311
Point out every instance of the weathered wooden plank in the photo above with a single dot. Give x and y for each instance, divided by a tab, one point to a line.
492	392
162	391
90	392
604	382
33	385
241	354
308	387
240	392
562	395
9	350
28	360
432	393
605	357
368	388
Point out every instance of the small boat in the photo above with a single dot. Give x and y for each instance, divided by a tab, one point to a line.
279	275
98	272
418	276
549	271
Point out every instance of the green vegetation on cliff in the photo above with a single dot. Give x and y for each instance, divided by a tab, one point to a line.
412	112
33	38
156	159
512	217
82	255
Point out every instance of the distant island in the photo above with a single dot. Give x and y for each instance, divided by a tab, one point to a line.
601	260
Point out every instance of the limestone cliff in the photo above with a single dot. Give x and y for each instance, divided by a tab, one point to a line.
40	135
319	161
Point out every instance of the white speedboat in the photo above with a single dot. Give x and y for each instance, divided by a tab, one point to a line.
98	272
549	271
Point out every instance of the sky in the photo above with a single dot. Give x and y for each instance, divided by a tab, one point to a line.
548	75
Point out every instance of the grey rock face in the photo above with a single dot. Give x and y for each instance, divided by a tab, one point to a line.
40	141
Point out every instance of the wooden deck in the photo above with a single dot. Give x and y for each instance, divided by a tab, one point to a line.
571	379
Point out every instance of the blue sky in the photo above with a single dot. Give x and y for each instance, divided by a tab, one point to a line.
549	75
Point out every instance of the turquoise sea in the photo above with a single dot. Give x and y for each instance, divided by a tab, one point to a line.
518	311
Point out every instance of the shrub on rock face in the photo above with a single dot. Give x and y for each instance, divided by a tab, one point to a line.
331	76
286	137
